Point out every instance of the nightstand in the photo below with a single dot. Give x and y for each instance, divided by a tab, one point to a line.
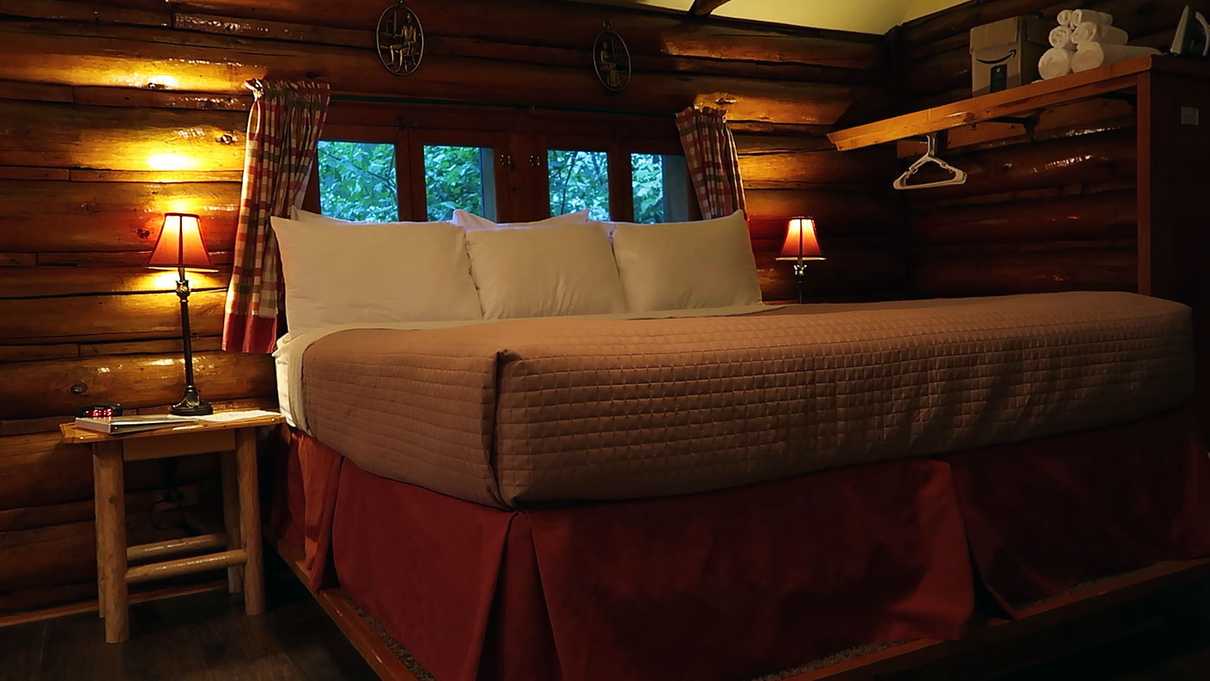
240	547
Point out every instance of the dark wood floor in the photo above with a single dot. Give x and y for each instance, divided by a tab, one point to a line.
206	637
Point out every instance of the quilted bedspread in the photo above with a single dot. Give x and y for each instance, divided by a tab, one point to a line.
533	412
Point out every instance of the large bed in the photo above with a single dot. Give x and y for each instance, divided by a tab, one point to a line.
723	494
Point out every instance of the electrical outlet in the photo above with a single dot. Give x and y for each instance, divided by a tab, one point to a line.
1191	115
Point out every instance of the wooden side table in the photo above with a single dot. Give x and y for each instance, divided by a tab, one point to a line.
235	442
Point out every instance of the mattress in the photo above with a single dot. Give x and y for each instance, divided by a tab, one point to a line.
534	412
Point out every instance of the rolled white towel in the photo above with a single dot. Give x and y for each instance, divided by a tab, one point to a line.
1055	63
1060	37
1092	32
1090	56
1064	19
1079	16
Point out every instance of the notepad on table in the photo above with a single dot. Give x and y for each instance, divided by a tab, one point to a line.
120	425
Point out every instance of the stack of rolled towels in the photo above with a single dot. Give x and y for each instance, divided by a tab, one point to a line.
1084	40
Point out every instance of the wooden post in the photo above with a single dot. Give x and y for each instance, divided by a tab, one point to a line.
249	503
231	518
96	518
109	489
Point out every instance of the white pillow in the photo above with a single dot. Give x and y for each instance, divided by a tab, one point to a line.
685	265
546	271
307	216
470	221
397	272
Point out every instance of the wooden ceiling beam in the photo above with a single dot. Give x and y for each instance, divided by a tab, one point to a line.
702	8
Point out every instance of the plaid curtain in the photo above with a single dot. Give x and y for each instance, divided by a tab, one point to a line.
712	160
283	132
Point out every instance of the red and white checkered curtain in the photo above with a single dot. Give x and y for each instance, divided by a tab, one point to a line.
712	160
283	132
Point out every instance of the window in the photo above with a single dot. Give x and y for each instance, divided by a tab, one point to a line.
459	177
357	181
579	180
661	188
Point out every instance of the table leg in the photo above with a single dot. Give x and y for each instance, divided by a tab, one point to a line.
111	539
249	504
231	518
96	518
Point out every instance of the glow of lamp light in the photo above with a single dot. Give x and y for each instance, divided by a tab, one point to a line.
170	162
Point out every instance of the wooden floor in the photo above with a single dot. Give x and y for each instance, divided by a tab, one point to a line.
206	637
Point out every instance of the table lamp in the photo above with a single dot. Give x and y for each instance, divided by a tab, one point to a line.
801	247
180	247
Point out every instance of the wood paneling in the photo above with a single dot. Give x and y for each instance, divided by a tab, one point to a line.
70	136
31	282
107	317
1052	208
45	388
136	57
111	216
112	113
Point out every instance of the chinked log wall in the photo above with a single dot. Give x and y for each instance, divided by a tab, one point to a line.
113	113
1053	213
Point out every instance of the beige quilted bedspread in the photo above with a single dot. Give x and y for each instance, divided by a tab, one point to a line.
554	410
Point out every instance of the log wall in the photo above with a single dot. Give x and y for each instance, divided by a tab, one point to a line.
112	113
1043	211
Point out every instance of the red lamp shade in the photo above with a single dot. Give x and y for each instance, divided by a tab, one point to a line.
801	243
180	244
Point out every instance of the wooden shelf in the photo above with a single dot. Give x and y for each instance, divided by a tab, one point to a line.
1017	101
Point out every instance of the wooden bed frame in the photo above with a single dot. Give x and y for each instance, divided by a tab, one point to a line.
1021	641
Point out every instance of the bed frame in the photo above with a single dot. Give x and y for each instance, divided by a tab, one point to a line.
998	643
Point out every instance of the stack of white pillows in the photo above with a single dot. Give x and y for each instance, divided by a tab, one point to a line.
340	273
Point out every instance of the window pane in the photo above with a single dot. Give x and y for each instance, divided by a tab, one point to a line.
579	180
357	181
459	177
661	188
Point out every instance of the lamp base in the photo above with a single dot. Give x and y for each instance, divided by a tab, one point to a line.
800	281
192	404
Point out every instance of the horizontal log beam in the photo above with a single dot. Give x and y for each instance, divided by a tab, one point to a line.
48	515
43	282
1085	160
37	470
1092	217
835	211
1037	272
110	216
108	317
135	57
529	22
61	554
793	168
36	389
62	136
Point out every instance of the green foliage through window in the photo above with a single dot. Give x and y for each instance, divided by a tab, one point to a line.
458	177
661	188
579	180
357	181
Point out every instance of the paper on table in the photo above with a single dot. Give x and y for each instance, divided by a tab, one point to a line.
231	416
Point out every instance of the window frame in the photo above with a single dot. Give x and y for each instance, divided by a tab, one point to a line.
520	140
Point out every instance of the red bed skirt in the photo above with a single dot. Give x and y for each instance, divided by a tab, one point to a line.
737	583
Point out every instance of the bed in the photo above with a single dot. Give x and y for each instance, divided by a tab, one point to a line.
504	453
584	453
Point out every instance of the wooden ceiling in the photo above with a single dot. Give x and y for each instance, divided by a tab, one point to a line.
861	16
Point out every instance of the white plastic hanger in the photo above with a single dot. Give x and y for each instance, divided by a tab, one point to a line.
959	176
